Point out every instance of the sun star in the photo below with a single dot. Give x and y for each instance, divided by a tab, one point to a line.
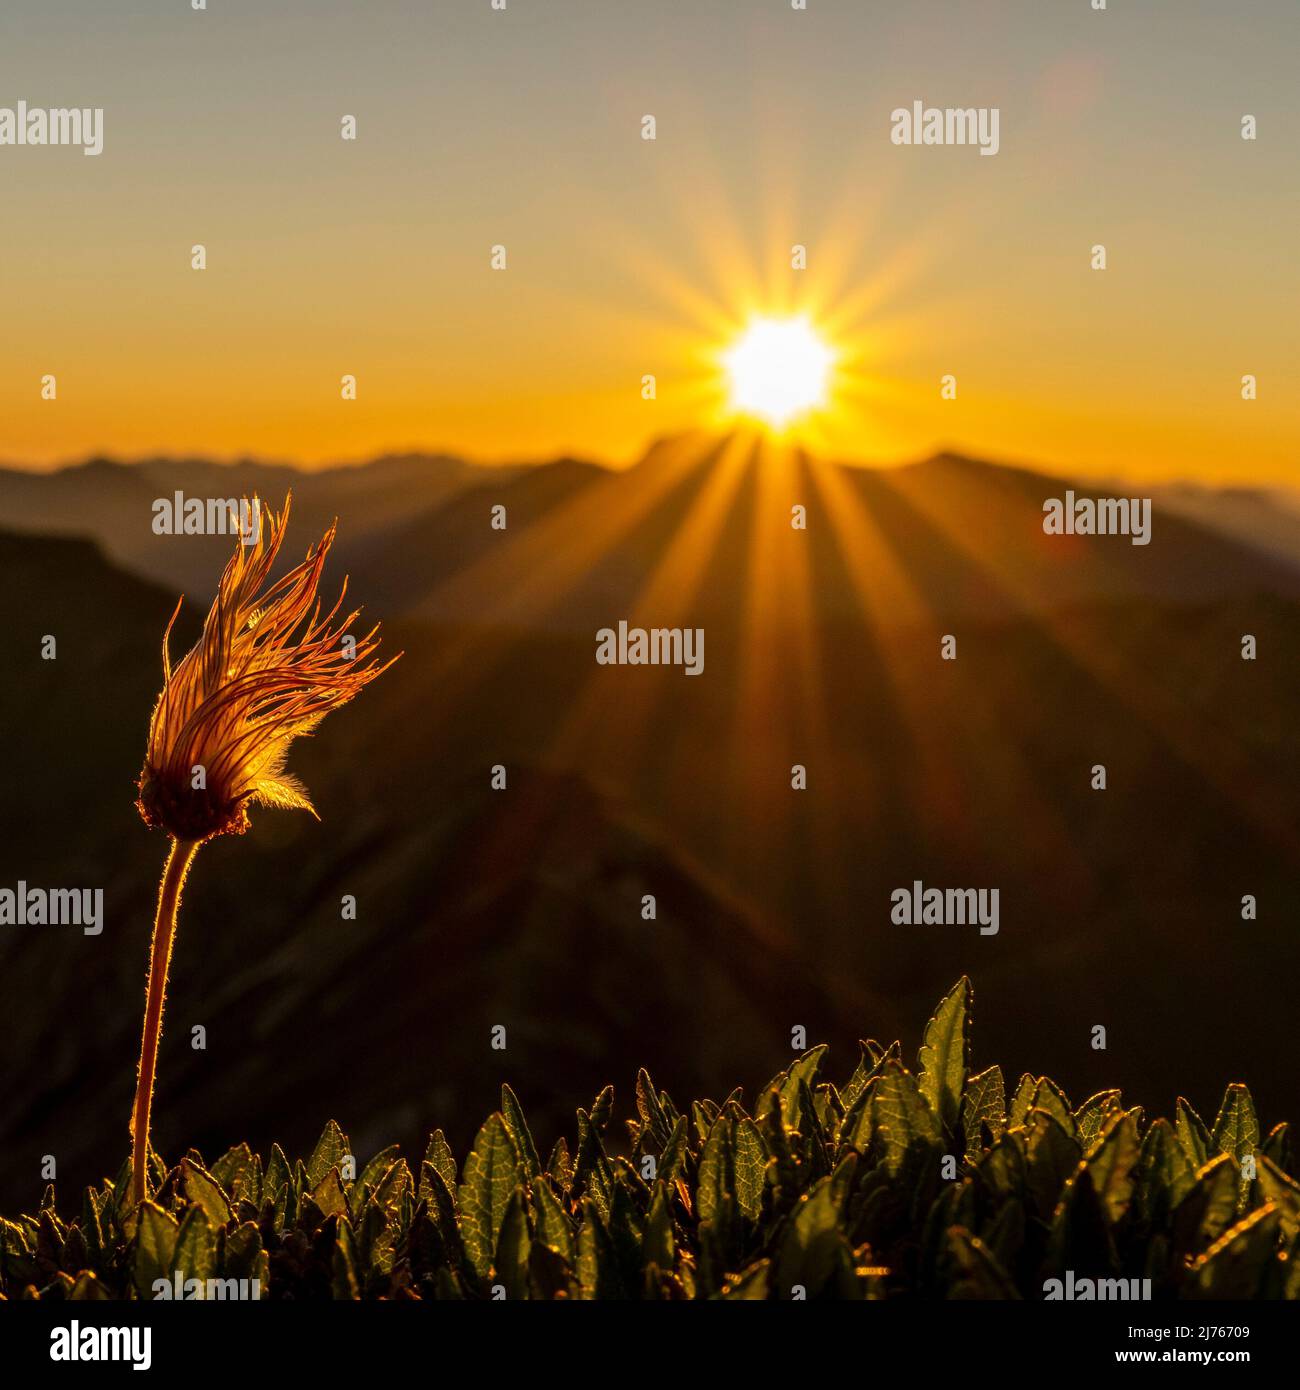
778	369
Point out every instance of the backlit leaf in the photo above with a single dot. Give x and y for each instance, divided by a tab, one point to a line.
1111	1165
945	1054
492	1171
155	1246
513	1115
329	1152
200	1187
1192	1133
983	1108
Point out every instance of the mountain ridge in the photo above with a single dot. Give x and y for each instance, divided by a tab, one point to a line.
571	544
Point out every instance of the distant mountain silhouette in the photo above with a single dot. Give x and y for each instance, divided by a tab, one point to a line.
1265	519
961	538
399	566
582	544
113	503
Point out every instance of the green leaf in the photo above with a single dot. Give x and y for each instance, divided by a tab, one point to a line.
238	1174
945	1054
1192	1134
829	1108
121	1186
201	1187
592	1175
717	1177
814	1251
1234	1266
1236	1130
597	1261
1278	1145
329	1153
1164	1174
659	1247
442	1215
815	1142
278	1173
196	1256
155	1245
1111	1165
1049	1096
1021	1101
492	1172
392	1186
346	1264
440	1158
858	1124
674	1155
751	1166
984	1106
703	1114
554	1229
17	1255
513	1246
328	1195
731	1166
654	1120
244	1256
869	1064
1051	1158
1209	1208
1283	1192
627	1231
785	1084
376	1240
1002	1169
560	1166
92	1226
1091	1117
903	1121
513	1115
1080	1236
375	1171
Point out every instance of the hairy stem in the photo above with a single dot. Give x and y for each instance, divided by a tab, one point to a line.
164	931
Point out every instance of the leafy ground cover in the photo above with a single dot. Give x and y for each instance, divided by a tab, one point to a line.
934	1183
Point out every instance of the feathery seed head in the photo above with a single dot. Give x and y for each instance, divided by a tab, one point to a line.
267	668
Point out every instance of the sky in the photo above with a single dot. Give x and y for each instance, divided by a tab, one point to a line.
627	257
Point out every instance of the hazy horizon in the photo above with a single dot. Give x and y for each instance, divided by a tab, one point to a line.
1046	467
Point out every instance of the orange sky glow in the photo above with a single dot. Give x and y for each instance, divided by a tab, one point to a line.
628	258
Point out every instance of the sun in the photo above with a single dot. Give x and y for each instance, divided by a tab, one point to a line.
778	369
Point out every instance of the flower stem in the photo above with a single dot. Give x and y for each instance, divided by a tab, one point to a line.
164	931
